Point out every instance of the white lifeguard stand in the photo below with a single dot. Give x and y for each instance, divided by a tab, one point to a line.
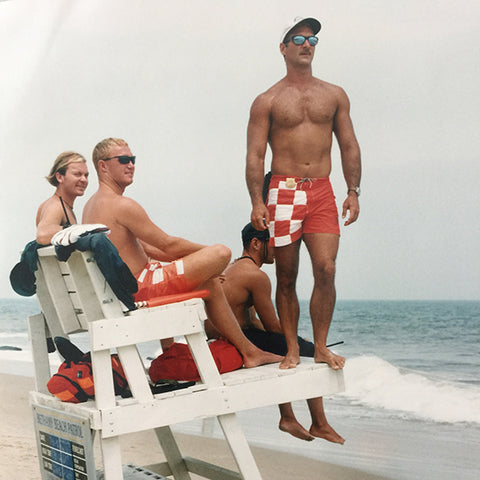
75	297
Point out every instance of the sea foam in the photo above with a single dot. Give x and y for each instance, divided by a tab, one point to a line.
372	381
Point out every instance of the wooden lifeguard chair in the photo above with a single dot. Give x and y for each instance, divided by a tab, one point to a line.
75	297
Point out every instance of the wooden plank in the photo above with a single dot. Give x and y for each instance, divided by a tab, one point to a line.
38	338
103	379
223	400
112	458
203	359
134	370
172	453
67	278
48	307
86	291
239	447
269	371
146	326
107	300
58	295
208	470
159	468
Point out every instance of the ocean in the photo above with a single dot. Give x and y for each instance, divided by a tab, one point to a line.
411	409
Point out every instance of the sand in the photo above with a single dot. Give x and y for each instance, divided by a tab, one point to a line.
18	451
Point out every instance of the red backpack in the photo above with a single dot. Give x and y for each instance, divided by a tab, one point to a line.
74	380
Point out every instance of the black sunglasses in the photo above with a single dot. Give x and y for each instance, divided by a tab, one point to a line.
123	159
300	40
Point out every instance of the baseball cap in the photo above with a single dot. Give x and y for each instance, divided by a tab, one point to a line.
313	23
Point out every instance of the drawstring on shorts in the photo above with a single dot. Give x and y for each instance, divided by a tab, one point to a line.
304	180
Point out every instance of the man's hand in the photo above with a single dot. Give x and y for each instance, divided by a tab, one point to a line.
260	217
351	205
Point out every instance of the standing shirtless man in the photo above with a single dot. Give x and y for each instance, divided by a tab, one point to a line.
248	291
297	117
142	246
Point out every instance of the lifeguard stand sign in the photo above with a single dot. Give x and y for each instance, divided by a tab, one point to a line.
65	445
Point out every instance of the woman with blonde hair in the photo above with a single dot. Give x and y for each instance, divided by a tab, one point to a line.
69	174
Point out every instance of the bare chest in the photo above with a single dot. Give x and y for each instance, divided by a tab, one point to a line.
292	108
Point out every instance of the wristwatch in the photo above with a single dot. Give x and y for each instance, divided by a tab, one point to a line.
354	189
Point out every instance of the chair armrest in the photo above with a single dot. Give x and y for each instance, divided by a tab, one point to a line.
166	299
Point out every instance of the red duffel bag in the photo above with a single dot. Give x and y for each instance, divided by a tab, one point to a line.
177	362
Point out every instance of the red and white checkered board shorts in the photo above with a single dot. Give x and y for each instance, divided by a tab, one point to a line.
157	280
307	207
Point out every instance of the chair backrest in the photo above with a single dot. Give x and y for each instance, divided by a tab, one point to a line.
73	293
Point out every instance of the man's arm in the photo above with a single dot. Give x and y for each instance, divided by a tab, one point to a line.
257	139
261	290
135	219
350	153
155	253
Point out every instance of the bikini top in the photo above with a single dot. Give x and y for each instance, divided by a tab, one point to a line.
67	224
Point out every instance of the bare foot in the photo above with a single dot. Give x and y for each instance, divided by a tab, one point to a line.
258	357
325	355
294	428
290	361
327	433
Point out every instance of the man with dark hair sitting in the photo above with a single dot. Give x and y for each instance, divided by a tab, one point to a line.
248	292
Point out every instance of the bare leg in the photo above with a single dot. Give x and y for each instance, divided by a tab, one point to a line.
323	248
201	270
286	261
225	322
320	426
289	423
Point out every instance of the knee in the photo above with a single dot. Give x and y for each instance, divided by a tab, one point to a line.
222	253
324	271
286	281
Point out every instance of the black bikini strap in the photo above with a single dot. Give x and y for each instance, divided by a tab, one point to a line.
68	224
247	256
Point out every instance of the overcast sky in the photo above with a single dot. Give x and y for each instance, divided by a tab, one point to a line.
176	79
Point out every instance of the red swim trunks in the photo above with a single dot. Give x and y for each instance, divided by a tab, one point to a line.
300	205
156	280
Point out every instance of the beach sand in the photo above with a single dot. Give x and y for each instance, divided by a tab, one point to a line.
18	451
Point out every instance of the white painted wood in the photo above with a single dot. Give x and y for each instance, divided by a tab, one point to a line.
207	470
203	359
112	458
95	294
239	446
37	333
75	296
57	293
159	468
48	308
214	401
135	371
145	326
172	453
103	379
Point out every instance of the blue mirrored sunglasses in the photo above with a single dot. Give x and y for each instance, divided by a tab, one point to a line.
123	159
300	40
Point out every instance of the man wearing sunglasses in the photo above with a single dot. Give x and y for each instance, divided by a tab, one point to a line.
142	246
297	117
